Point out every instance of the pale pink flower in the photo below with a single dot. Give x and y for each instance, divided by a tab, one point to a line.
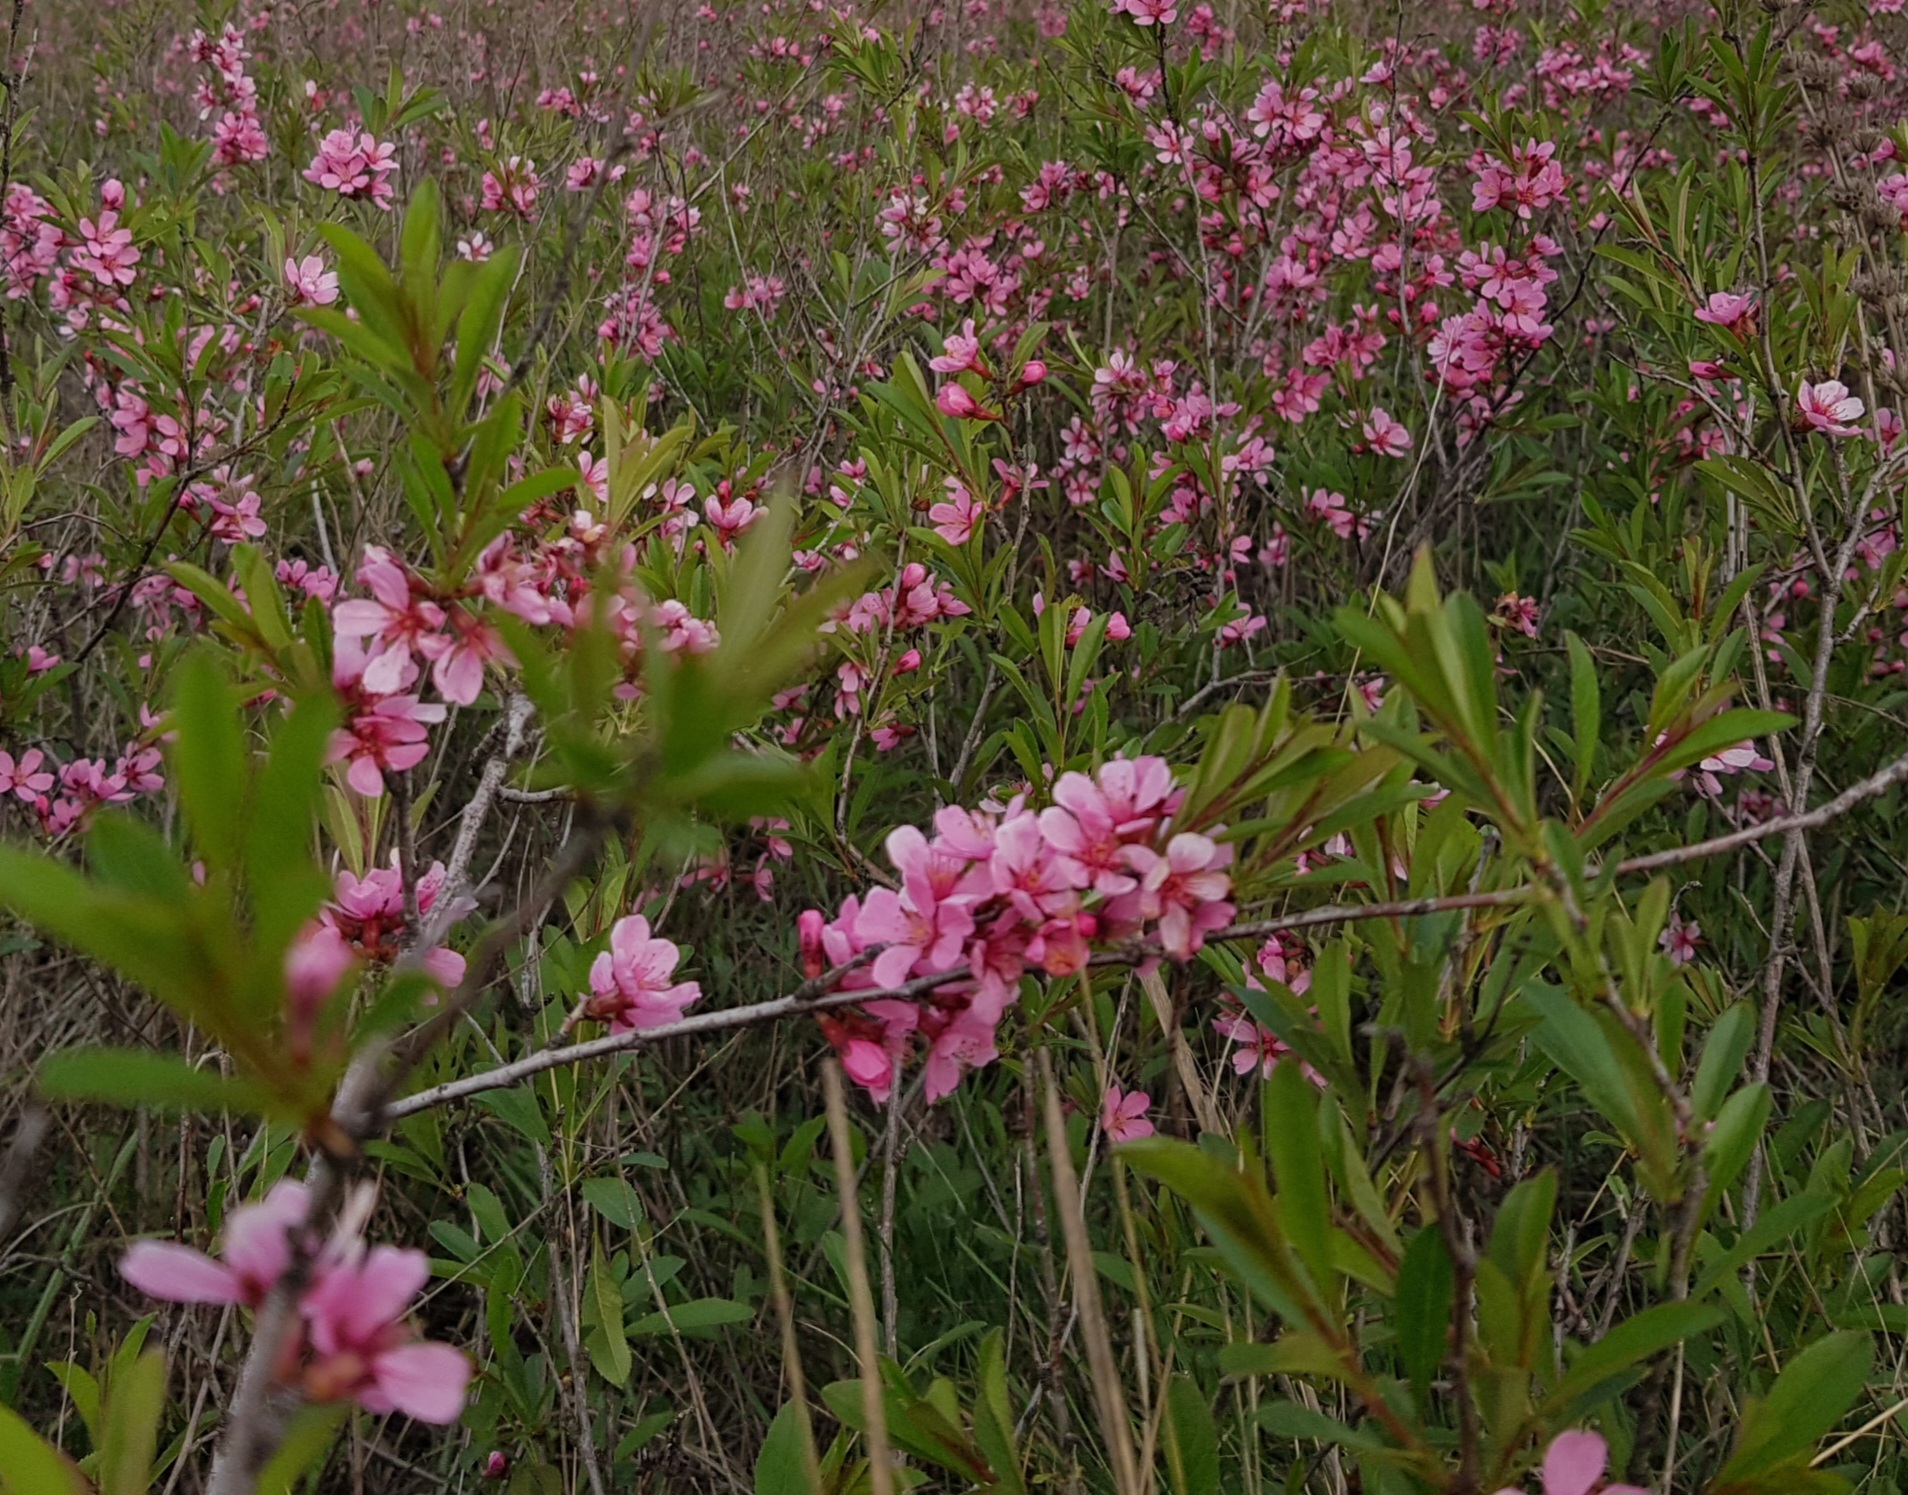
1123	1115
1574	1465
255	1254
1726	309
364	1351
633	983
1828	407
1385	436
311	283
25	779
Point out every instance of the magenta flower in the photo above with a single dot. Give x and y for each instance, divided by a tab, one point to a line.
257	1250
362	1348
632	983
1123	1115
960	353
1828	407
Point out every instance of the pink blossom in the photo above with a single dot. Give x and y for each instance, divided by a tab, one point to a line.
311	283
1828	407
392	616
1679	940
957	400
1574	1465
632	982
1385	436
925	926
387	736
960	353
363	1350
1726	309
1123	1115
257	1250
1184	889
355	167
25	779
959	515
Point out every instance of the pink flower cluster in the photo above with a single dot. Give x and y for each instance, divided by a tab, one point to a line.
232	95
1003	889
353	1341
355	166
63	801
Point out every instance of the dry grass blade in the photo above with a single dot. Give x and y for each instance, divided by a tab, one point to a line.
1109	1397
860	1292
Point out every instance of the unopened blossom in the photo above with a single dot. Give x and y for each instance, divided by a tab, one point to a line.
1828	407
633	985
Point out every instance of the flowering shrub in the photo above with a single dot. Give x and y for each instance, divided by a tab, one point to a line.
1278	630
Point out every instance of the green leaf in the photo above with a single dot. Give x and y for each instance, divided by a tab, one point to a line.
1635	1339
29	1465
697	1313
1290	1420
129	854
1426	1288
1811	1395
780	1468
1723	1052
143	1077
1192	1438
307	1440
1777	1224
1298	1166
136	1399
208	758
609	1348
615	1201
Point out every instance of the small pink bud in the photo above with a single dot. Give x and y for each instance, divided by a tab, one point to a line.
955	400
808	926
496	1466
1031	373
908	662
